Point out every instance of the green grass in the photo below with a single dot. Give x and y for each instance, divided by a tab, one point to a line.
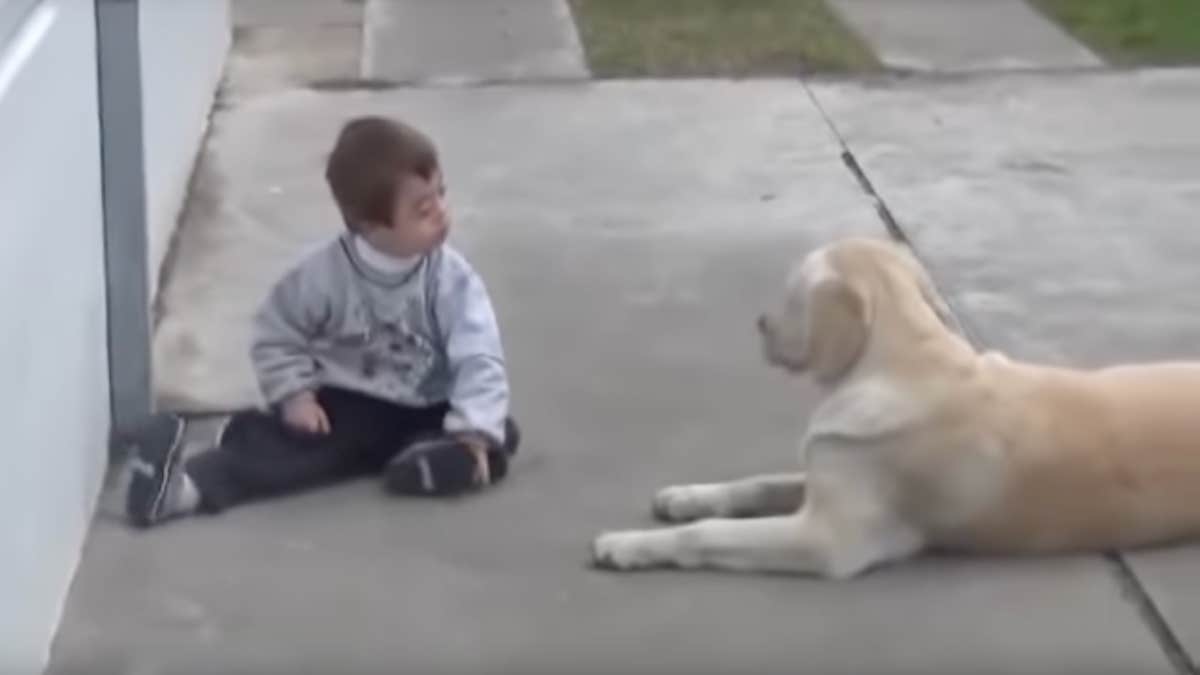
719	38
1133	32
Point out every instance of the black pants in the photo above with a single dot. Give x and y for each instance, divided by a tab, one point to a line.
260	456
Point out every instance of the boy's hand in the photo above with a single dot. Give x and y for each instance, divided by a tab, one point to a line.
477	444
302	413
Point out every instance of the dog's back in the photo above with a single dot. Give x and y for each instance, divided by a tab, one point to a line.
1092	459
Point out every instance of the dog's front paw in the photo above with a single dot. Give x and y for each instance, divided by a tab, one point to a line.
686	503
627	551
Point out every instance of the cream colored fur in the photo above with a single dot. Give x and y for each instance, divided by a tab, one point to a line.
921	442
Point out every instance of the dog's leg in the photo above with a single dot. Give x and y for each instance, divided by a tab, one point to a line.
804	543
767	495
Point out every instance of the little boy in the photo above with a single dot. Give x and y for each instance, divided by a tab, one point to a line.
379	353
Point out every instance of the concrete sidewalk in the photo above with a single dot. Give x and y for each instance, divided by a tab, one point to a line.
629	233
337	43
343	43
627	261
467	41
959	36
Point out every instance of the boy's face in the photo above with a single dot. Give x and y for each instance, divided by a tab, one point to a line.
420	219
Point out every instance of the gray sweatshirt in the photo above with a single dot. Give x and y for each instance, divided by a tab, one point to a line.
417	336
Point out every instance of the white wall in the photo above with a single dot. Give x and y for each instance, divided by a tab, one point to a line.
54	405
54	401
183	49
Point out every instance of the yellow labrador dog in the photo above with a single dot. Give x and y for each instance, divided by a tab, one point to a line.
921	442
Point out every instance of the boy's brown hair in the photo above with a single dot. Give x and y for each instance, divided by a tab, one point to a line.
371	156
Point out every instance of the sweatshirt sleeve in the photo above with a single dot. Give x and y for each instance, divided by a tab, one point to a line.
285	323
479	391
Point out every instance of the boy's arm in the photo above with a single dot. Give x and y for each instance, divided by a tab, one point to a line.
479	393
284	324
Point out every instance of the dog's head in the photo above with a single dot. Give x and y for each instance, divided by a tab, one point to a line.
831	302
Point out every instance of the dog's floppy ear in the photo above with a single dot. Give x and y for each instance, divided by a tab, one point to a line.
838	324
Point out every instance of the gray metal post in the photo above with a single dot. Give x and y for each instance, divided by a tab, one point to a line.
125	257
